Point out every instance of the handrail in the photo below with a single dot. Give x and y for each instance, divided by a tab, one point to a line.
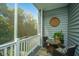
23	45
10	43
7	44
29	37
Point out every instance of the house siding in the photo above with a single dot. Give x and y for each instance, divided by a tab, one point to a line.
62	14
73	26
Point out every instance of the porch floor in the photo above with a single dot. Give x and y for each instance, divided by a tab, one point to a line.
42	52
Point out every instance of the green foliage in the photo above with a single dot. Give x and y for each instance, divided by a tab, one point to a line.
3	6
6	24
5	34
25	28
25	24
60	35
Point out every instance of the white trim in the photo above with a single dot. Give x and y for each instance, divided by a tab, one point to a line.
27	41
5	51
17	45
23	39
11	50
41	14
6	45
15	22
38	24
37	19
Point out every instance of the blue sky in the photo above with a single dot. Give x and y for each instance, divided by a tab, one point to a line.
11	5
28	7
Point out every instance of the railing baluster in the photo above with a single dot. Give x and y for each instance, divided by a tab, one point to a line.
27	45
16	49
24	47
5	51
8	49
31	43
11	50
21	49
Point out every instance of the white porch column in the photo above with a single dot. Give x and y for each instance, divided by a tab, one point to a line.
41	15
16	47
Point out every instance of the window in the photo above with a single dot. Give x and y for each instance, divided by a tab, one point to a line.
27	15
27	20
6	22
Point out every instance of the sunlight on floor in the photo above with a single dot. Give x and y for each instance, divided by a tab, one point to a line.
42	52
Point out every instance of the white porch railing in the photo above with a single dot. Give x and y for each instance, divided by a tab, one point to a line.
7	49
26	46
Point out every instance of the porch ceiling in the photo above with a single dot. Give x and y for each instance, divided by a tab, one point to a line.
49	6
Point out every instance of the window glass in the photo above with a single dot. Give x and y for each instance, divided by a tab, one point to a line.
27	20
6	22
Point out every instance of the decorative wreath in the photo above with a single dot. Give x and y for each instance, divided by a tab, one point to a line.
54	21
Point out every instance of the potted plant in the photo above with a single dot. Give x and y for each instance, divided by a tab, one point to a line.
60	36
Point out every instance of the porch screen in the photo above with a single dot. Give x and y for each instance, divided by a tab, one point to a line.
27	20
6	22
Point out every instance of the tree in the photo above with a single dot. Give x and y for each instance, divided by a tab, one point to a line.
26	24
21	18
5	34
30	26
6	24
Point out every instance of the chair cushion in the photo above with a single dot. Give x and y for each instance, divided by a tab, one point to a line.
71	51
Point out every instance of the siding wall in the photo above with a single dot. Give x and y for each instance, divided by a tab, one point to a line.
62	14
73	26
69	17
